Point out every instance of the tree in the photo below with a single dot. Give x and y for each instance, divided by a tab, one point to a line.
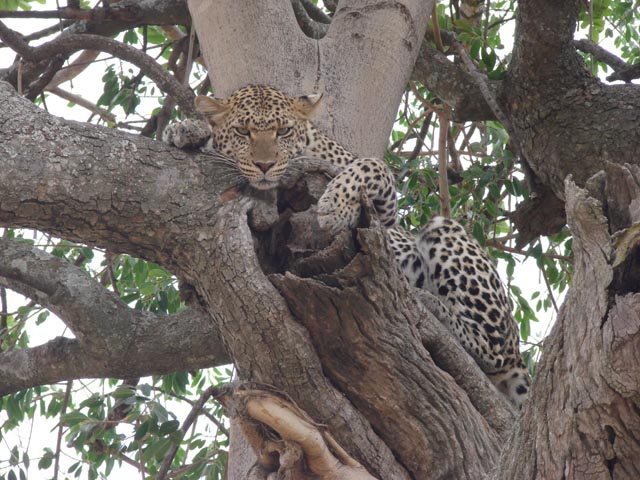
355	360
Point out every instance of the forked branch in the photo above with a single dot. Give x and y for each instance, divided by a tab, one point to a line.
285	439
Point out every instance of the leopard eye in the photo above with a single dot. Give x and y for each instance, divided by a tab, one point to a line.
284	131
242	131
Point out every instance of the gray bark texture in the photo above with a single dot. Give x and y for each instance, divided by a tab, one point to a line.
339	331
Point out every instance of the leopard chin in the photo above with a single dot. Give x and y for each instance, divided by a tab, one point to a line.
264	184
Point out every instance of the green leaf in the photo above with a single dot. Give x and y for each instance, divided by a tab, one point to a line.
142	430
169	427
122	392
14	458
46	460
73	418
130	37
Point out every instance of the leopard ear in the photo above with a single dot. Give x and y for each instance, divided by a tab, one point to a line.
306	104
213	108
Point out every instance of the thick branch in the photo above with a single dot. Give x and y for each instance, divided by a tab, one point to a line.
549	95
103	187
112	339
155	345
582	413
269	345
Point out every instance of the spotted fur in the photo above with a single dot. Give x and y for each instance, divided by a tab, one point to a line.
261	130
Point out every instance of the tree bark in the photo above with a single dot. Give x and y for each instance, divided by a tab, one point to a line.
341	333
583	414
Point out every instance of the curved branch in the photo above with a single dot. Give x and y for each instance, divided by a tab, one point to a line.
156	349
453	84
112	339
309	26
65	45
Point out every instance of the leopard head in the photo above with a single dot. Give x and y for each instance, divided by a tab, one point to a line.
260	128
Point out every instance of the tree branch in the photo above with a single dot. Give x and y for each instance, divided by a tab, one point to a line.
310	26
600	53
548	90
112	339
83	102
116	200
65	45
578	397
363	326
453	84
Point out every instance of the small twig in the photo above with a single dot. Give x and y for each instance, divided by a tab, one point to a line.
43	33
64	13
437	37
20	77
213	419
193	414
428	105
4	313
455	164
549	290
36	87
593	67
485	28
178	472
77	99
400	142
443	182
420	136
65	404
498	245
481	81
189	65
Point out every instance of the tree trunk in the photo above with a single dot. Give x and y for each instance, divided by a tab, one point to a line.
583	416
361	66
339	332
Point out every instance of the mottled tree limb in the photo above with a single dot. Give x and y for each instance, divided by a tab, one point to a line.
133	185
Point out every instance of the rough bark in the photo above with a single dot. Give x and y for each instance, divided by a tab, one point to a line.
342	335
548	92
583	415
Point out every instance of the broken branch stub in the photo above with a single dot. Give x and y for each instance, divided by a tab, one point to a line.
286	441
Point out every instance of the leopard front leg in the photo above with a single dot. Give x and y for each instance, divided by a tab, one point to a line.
188	134
339	206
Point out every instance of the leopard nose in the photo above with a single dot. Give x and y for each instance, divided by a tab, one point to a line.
265	166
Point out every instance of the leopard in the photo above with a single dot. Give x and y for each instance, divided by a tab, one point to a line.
261	130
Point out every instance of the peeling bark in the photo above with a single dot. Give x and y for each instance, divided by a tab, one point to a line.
583	414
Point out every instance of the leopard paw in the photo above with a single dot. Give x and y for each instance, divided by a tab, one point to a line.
187	134
337	210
